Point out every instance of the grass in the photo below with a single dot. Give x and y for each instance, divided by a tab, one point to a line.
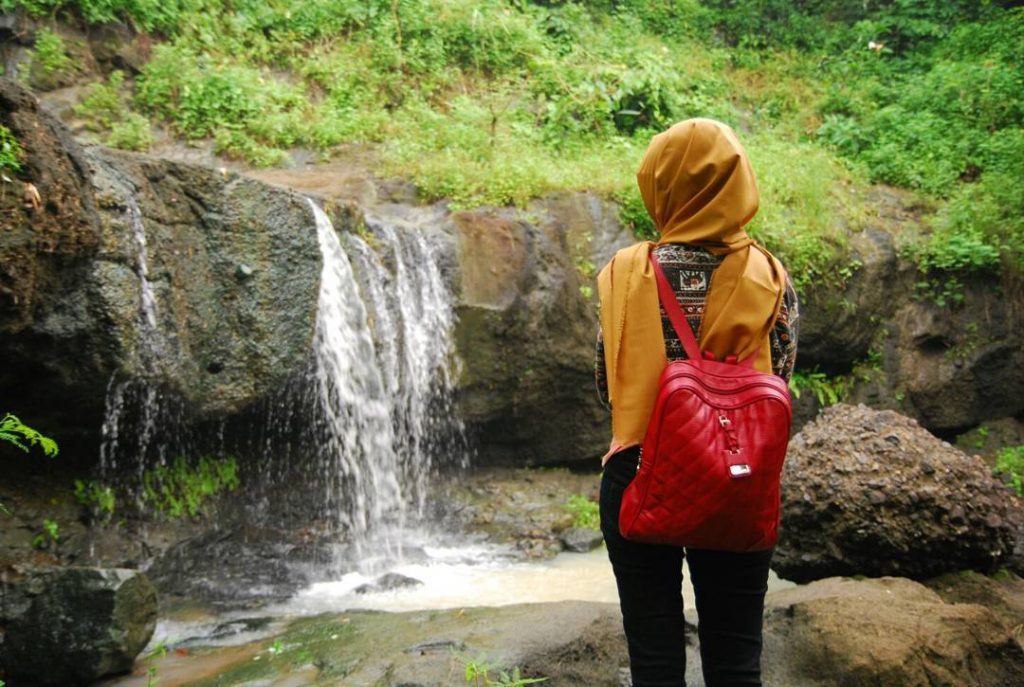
497	103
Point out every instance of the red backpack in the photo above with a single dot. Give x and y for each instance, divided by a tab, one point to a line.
711	460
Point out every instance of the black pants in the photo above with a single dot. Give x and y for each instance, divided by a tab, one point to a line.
729	589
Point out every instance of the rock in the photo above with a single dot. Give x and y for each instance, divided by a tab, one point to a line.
581	539
388	582
65	626
526	336
571	643
69	284
887	631
854	501
1001	593
993	435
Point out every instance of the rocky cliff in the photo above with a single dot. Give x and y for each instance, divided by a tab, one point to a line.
232	267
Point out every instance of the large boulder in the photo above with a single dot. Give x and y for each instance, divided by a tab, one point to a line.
221	253
526	336
888	631
70	626
871	492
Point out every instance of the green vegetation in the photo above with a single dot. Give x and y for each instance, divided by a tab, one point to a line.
14	431
478	673
181	490
50	53
586	512
828	390
11	153
1010	463
500	101
97	498
105	109
49	535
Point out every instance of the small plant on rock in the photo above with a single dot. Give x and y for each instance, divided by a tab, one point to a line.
11	153
1010	463
98	498
49	535
50	53
586	512
181	490
478	673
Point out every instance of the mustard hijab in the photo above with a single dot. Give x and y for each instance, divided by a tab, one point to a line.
699	188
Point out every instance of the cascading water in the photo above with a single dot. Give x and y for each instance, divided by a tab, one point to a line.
413	326
134	409
383	373
360	465
344	453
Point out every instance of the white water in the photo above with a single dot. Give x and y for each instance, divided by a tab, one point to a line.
359	467
383	378
136	395
478	576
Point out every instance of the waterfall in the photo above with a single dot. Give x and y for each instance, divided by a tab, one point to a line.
352	444
384	356
134	410
413	325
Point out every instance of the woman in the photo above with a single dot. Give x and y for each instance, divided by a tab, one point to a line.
699	188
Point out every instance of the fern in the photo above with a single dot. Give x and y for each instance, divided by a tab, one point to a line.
14	431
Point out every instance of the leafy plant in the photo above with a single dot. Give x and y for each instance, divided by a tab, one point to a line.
828	390
478	671
181	490
586	512
14	431
98	498
131	133
103	105
1010	464
50	534
11	153
50	53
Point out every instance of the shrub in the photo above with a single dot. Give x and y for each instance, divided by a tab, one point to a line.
586	512
132	133
180	489
49	53
1010	464
11	153
103	104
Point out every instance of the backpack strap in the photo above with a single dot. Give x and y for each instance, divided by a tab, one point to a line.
667	296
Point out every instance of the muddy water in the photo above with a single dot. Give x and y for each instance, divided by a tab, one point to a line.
452	579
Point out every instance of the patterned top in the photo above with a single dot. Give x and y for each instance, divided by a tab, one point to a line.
688	269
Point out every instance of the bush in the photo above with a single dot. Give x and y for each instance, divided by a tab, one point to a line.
587	513
180	489
11	154
1010	464
50	54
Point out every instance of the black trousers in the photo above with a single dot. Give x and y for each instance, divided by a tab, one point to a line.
729	589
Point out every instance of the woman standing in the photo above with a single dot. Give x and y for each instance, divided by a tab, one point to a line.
699	188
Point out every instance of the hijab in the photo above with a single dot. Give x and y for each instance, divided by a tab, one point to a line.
699	188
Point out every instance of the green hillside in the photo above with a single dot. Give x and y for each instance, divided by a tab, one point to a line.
501	101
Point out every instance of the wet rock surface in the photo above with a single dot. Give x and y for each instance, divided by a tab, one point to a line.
581	539
571	643
837	631
69	626
870	492
525	508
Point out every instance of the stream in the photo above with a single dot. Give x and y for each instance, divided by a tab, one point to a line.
453	574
